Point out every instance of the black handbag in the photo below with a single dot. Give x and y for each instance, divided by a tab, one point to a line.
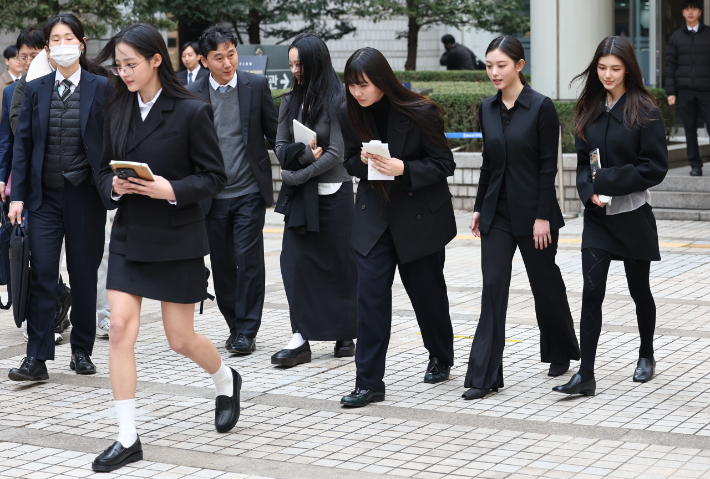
5	232
209	296
19	256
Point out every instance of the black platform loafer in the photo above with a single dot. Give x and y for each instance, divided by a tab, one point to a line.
344	349
242	345
81	362
576	386
477	393
230	340
696	172
226	409
645	369
361	397
558	369
116	456
436	372
291	357
31	369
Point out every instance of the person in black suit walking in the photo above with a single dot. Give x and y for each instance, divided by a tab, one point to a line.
190	57
516	208
158	240
404	223
55	165
617	115
244	114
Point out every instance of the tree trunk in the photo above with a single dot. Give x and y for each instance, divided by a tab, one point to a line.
412	43
254	27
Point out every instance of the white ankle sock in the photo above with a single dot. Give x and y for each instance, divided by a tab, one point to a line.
296	341
126	413
223	381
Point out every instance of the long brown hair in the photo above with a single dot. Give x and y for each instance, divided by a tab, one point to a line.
591	102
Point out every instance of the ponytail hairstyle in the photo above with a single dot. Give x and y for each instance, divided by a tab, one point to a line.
512	48
591	102
77	29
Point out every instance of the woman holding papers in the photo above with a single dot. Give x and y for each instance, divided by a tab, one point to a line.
317	261
516	208
402	222
158	239
619	123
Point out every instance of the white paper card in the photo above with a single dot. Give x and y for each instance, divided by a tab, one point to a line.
303	134
376	147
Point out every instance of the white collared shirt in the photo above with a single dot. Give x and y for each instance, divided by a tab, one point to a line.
194	72
75	78
232	82
14	78
145	107
695	28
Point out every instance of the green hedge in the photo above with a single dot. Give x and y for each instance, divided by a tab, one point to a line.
442	75
461	100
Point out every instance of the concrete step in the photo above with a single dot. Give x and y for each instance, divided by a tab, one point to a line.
681	214
698	184
680	200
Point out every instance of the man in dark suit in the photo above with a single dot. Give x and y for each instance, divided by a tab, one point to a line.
191	59
457	56
244	113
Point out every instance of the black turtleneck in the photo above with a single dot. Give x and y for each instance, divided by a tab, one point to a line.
380	113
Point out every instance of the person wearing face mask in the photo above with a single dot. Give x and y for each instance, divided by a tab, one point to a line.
404	223
516	208
617	115
56	156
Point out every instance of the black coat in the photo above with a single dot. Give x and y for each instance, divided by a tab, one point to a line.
419	213
259	118
458	57
201	73
688	60
631	161
178	141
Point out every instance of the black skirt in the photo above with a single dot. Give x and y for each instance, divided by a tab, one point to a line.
319	272
630	235
183	281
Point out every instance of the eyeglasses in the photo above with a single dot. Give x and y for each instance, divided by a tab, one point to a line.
30	57
17	59
128	70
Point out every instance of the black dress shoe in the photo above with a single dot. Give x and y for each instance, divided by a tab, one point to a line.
361	397
242	345
31	369
645	368
436	372
116	456
81	362
576	386
226	409
477	393
344	349
230	340
291	357
558	369
696	172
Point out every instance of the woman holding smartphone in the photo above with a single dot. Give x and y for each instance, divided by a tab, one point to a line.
404	223
617	116
158	240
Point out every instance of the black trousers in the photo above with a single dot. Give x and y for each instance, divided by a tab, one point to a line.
235	227
691	103
558	341
78	216
424	282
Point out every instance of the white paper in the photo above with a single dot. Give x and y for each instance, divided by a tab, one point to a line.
303	134
376	147
39	67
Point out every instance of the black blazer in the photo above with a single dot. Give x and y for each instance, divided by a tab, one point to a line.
259	120
419	213
182	75
179	142
31	134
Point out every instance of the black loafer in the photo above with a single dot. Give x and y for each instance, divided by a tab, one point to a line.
81	362
436	372
576	386
226	409
696	172
361	397
477	393
344	349
116	456
645	369
558	369
31	369
230	340
291	357
242	345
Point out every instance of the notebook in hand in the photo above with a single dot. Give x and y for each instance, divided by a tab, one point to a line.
595	162
303	134
376	147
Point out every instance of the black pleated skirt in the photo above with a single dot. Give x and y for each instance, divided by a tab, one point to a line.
183	281
319	272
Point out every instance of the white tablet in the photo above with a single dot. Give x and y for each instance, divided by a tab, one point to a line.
303	134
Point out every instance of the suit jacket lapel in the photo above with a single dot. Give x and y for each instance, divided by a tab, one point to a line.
203	87
44	102
244	92
87	90
151	122
397	128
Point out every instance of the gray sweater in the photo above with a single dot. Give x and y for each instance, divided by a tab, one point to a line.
329	167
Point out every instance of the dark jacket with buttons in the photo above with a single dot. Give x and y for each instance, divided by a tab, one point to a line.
688	60
419	212
33	130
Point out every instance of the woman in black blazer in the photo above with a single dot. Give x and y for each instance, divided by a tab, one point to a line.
404	223
158	239
516	208
617	116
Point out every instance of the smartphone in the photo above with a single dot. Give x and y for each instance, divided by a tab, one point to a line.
125	173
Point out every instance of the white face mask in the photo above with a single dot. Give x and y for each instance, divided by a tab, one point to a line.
65	55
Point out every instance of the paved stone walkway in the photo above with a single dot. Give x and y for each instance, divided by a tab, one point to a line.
293	427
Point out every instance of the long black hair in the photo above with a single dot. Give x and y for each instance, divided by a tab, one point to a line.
77	29
319	90
512	48
591	102
148	42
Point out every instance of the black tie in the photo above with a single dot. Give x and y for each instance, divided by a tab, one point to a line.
67	89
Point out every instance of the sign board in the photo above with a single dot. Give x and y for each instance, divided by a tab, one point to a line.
278	73
252	64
